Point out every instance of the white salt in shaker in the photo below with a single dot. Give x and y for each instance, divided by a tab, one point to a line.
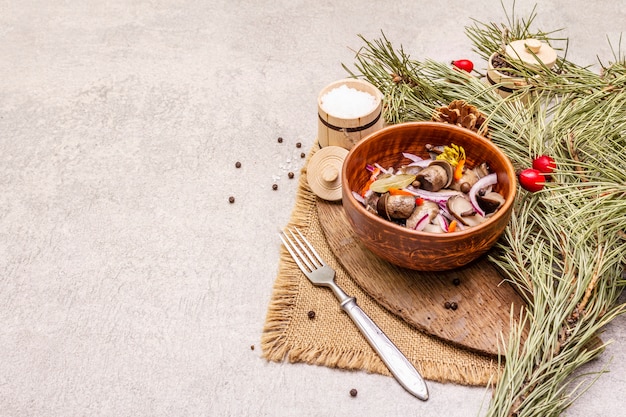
348	111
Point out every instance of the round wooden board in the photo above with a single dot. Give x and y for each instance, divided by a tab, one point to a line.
484	301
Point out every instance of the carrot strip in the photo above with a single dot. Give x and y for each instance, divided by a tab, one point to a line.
452	226
458	171
397	191
369	182
366	187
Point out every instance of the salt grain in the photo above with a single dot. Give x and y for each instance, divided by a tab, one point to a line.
348	103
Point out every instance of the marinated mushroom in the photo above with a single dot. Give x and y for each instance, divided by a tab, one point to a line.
371	202
482	170
395	206
490	201
428	208
437	175
473	220
464	184
460	208
434	150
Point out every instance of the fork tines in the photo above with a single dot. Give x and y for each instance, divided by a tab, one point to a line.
301	250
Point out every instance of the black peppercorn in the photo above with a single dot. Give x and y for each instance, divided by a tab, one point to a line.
353	392
456	281
251	347
302	155
454	305
280	139
311	314
275	187
237	164
447	304
231	199
290	175
298	145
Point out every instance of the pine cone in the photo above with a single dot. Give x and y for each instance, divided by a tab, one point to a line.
462	114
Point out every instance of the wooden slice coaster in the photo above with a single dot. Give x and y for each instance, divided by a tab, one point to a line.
469	307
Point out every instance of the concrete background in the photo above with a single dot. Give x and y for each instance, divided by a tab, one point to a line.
129	286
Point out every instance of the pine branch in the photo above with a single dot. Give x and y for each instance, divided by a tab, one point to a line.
571	281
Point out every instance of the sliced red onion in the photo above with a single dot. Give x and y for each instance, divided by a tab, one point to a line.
446	213
358	198
421	224
485	181
442	222
412	157
383	170
423	163
434	196
370	167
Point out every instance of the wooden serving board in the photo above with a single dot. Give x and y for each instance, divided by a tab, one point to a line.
481	321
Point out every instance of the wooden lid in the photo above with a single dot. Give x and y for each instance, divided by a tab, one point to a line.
532	52
324	172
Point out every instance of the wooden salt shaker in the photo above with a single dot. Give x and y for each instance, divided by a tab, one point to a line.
531	52
337	130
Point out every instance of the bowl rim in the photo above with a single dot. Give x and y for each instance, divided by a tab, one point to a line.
509	199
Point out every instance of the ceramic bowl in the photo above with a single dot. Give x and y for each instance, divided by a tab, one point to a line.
413	249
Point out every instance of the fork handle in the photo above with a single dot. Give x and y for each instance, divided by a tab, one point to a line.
398	364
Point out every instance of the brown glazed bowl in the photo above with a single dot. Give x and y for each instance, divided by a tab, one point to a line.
409	248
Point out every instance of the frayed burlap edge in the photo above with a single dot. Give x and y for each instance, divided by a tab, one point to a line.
280	344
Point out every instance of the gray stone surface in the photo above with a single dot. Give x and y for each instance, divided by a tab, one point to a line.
129	285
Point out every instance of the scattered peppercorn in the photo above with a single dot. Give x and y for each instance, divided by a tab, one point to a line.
290	175
454	305
275	187
298	145
302	155
237	164
280	139
311	314
456	282
499	63
447	305
231	199
251	347
353	392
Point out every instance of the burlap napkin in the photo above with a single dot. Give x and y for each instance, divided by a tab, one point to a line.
305	323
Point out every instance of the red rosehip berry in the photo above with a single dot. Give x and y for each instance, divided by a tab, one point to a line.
531	179
464	64
544	164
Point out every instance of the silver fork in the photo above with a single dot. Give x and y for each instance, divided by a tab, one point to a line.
319	273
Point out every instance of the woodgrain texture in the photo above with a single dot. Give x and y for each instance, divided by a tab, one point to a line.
410	248
481	320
